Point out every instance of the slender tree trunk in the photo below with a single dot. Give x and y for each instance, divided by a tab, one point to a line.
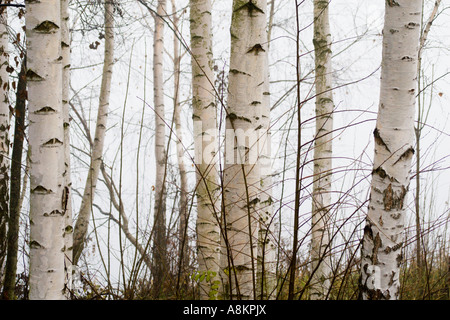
4	136
182	227
266	277
205	134
425	29
15	194
159	241
46	143
383	238
321	200
242	169
81	226
68	228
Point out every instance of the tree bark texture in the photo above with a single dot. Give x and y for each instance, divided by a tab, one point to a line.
205	134
67	204
383	237
46	144
321	200
159	228
244	127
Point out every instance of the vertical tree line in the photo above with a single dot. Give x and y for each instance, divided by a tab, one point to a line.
248	243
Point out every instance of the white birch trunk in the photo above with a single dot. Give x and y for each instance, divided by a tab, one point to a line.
242	176
266	278
67	201
183	215
159	227
4	136
321	200
205	135
46	144
383	238
82	223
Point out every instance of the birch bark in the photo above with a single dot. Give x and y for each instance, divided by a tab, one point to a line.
67	200
159	227
82	224
182	229
46	145
205	126
383	238
242	173
321	200
266	277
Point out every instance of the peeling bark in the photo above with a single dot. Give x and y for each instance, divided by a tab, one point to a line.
383	237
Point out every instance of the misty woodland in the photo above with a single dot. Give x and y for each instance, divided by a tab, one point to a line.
224	149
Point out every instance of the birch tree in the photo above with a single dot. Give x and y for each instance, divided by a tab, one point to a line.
242	174
204	117
183	223
82	224
159	228
68	228
321	196
46	145
266	266
383	238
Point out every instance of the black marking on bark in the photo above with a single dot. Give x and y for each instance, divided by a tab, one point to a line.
53	213
33	76
412	25
379	140
252	203
53	142
35	245
233	116
377	244
250	7
406	155
65	198
368	233
399	259
41	190
381	172
257	48
46	27
392	3
407	58
396	216
45	110
235	71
